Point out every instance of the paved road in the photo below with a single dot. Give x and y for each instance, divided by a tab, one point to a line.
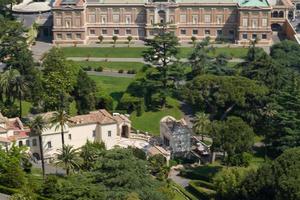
141	60
39	49
4	197
174	175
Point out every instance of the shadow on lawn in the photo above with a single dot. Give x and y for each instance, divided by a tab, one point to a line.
205	172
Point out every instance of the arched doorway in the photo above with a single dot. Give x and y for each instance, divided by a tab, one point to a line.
125	131
162	16
276	27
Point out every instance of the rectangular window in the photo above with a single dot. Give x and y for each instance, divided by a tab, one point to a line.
182	31
219	33
128	19
34	143
207	18
219	19
59	36
254	36
49	145
69	36
103	19
264	36
109	133
116	18
128	31
92	32
207	32
116	31
68	23
195	32
28	143
94	133
264	22
20	143
92	18
78	35
58	22
245	22
195	19
254	23
151	20
245	36
70	136
104	32
182	18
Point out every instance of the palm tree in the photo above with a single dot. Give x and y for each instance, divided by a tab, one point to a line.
201	124
37	126
7	82
20	87
68	158
59	120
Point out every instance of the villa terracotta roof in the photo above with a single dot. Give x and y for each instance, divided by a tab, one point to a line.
18	135
121	118
100	117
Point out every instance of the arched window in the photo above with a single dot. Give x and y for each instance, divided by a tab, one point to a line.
162	16
275	14
280	14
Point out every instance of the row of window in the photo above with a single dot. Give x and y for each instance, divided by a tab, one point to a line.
115	32
69	36
206	32
219	19
253	36
254	24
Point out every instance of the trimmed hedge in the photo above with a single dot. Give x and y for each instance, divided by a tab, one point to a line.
184	191
205	184
201	192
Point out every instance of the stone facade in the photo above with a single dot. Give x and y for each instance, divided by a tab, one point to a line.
81	22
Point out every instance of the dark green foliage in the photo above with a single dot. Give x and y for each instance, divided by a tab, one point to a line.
240	159
105	102
131	103
85	93
115	175
287	54
279	180
201	192
89	153
232	136
158	166
224	95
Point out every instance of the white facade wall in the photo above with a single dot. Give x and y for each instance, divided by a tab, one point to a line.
80	134
109	140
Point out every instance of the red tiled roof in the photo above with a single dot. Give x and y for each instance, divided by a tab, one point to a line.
18	135
100	116
121	118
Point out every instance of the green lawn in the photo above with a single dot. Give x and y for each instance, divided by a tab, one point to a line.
149	121
112	65
113	86
137	52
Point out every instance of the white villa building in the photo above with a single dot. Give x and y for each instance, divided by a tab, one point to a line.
98	126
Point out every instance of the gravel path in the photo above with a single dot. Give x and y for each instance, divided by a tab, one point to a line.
111	74
174	175
4	197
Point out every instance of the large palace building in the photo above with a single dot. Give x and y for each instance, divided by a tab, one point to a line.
83	21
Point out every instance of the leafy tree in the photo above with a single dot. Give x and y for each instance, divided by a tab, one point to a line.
201	124
8	82
59	80
232	136
85	93
228	180
278	180
194	39
100	38
68	158
254	53
222	95
37	126
129	38
158	166
162	54
286	53
89	153
59	120
115	38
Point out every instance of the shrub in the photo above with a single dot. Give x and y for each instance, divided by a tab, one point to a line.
131	103
201	192
121	71
132	71
87	68
105	102
99	69
242	160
